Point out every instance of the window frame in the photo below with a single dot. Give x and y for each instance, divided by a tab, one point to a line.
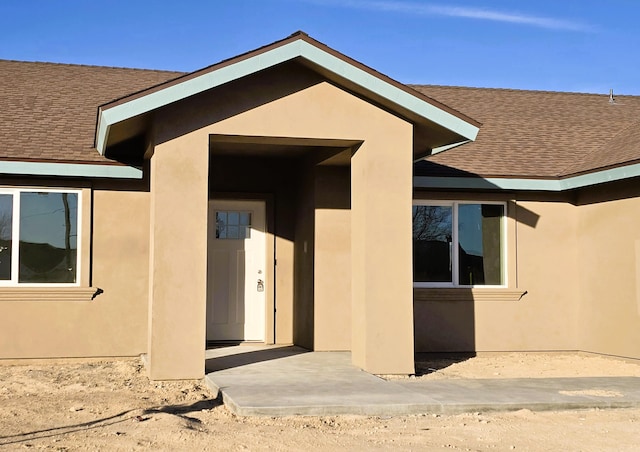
15	236
455	275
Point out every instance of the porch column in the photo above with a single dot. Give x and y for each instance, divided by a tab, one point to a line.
178	258
382	280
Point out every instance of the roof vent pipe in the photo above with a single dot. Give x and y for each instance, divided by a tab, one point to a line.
611	98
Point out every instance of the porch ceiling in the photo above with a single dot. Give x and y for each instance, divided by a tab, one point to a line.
321	151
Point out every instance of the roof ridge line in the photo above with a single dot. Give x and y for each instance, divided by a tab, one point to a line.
519	90
96	66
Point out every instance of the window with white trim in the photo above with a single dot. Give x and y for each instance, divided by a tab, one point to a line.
459	244
39	236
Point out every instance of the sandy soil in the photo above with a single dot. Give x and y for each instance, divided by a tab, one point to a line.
527	365
111	405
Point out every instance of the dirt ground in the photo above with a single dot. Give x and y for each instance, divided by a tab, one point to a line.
111	405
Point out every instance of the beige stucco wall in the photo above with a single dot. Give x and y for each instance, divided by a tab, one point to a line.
544	319
332	267
114	323
381	247
542	249
302	105
178	257
609	272
149	242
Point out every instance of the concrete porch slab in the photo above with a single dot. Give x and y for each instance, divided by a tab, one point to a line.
285	381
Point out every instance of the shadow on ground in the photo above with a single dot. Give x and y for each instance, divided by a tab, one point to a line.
137	414
238	356
428	363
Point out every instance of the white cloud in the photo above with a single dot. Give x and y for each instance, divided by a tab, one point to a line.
460	11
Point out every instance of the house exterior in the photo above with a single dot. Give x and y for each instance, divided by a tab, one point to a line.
294	195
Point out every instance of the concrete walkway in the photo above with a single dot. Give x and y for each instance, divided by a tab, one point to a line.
284	381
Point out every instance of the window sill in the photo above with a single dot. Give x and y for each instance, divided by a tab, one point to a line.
467	294
48	293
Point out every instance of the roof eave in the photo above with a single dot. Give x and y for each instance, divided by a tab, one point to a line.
298	46
521	184
68	169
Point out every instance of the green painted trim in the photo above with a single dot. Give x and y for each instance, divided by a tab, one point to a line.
269	59
70	170
387	91
448	146
479	183
556	185
624	172
102	131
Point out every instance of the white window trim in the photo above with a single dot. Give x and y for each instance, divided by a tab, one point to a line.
15	229
454	239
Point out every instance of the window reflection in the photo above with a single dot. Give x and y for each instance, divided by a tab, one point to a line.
48	237
480	241
6	221
432	252
467	237
233	225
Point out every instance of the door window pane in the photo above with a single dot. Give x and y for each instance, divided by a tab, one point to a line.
232	232
480	244
221	225
233	225
432	235
234	218
48	237
245	218
6	222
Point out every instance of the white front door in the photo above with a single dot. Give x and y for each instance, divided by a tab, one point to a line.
236	271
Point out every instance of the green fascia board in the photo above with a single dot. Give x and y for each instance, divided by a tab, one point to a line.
610	175
388	91
480	183
278	55
554	185
188	88
70	170
448	146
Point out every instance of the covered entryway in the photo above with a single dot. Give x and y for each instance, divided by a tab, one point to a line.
292	178
328	145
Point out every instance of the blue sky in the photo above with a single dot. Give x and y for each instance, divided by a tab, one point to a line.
560	45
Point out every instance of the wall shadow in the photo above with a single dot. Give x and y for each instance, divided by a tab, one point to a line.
428	363
610	191
296	185
232	99
238	358
281	179
444	321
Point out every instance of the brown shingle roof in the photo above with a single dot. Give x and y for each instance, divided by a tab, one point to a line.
48	111
536	134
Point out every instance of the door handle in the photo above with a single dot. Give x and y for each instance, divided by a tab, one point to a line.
260	287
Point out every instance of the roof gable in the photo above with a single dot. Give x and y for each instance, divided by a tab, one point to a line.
298	46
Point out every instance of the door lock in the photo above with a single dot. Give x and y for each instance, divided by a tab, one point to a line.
260	285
